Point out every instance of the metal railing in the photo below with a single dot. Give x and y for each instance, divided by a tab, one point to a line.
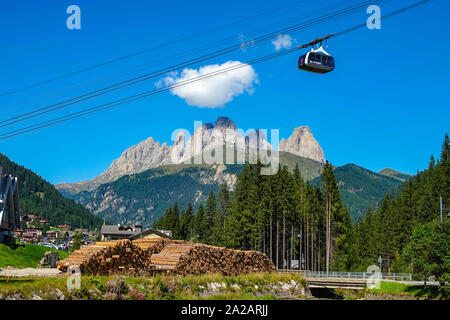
358	275
350	275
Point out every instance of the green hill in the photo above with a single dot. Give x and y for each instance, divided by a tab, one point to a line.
25	256
361	188
143	197
395	174
40	197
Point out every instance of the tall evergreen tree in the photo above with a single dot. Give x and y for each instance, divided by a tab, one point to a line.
200	225
186	223
337	220
222	212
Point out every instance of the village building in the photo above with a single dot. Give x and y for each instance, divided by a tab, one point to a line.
52	235
117	232
152	233
29	237
30	217
36	231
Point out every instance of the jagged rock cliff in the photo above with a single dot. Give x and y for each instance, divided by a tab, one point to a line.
302	143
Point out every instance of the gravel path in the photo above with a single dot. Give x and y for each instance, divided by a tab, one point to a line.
30	272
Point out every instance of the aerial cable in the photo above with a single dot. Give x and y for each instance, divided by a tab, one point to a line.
141	95
153	48
135	80
186	82
166	59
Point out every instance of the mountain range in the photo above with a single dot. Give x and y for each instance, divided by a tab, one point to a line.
149	177
150	154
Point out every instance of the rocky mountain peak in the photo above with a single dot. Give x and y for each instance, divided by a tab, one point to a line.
224	123
302	143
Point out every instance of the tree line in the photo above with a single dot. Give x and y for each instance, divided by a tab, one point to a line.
287	218
281	215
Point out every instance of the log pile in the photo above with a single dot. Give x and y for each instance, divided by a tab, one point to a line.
114	257
181	257
147	256
152	245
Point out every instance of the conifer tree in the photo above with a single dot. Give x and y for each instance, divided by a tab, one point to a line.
200	225
222	213
186	223
210	216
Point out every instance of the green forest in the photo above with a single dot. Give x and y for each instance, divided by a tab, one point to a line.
283	216
40	197
406	229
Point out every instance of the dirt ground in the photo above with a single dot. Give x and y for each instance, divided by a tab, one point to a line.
30	272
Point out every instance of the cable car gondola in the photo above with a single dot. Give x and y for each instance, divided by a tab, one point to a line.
317	60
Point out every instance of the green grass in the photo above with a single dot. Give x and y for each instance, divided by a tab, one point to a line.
150	288
25	256
57	229
396	291
401	289
25	287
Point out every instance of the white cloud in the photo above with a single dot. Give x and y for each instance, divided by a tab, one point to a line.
282	42
216	91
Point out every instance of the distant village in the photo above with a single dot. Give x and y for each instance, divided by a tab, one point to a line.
35	230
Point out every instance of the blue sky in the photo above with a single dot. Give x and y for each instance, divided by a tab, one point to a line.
385	105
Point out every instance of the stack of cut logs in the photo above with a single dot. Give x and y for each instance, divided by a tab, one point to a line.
147	256
181	257
114	257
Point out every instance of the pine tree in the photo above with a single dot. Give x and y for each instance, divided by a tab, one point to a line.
186	223
210	216
76	244
172	221
444	173
200	225
337	219
222	212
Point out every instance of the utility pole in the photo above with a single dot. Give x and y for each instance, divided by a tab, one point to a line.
292	245
224	230
300	239
278	240
284	240
271	240
264	239
307	244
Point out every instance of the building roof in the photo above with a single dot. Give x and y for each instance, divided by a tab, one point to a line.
116	230
161	233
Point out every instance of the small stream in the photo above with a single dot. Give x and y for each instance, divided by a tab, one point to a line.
325	293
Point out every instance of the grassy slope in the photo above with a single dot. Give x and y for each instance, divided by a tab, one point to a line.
24	256
395	174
